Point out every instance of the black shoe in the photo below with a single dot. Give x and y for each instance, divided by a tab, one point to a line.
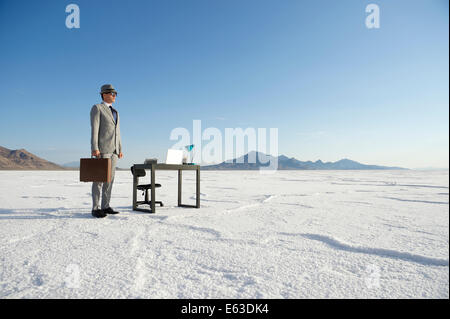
110	211
98	213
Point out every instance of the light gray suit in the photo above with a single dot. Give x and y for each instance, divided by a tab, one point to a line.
105	137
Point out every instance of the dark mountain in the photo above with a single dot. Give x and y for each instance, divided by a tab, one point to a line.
22	159
286	163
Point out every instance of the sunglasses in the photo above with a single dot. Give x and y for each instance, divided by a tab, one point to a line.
112	93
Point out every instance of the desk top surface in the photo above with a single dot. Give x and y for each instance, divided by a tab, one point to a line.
167	166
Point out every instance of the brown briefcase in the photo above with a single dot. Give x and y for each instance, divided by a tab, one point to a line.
95	170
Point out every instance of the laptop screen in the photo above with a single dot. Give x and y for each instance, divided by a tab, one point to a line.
174	157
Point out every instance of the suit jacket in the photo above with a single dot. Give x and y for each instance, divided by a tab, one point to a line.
105	133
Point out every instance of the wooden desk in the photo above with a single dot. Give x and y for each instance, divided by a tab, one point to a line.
173	167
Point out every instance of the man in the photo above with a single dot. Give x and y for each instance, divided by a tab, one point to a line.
105	143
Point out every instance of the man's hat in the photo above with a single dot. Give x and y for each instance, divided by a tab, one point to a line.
107	88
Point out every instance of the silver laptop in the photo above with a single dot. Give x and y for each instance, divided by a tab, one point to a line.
174	157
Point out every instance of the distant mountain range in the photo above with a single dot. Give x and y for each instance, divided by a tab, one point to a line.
22	160
285	163
75	164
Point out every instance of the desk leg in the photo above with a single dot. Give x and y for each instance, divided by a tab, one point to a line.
135	182
197	188
153	189
180	178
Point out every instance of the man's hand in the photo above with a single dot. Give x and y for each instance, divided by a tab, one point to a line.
120	155
96	153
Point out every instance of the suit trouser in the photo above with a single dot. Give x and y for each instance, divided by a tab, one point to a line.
105	188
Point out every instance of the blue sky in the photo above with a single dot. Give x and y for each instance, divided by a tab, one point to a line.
333	88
